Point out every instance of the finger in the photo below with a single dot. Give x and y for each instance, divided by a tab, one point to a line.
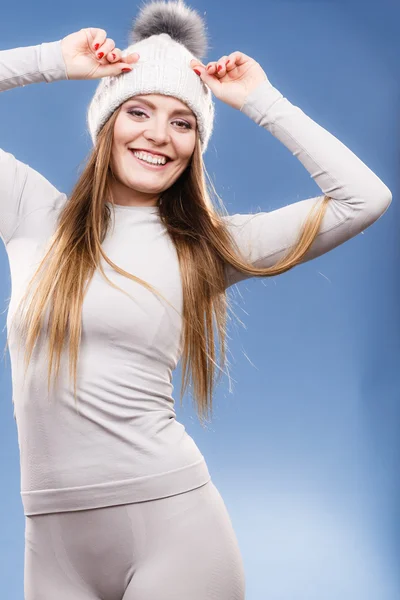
199	66
221	69
236	59
230	65
99	37
105	49
195	62
113	69
131	58
116	54
210	80
212	68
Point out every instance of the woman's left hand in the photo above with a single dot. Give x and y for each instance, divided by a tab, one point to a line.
232	78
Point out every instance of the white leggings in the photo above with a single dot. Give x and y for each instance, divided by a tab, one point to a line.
178	548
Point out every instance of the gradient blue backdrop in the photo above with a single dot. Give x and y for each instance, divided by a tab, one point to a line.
304	445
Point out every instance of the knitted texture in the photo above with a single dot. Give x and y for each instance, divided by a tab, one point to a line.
163	68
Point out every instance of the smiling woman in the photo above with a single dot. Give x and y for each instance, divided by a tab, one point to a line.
153	142
133	286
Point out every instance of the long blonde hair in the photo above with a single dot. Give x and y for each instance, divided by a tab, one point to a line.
203	244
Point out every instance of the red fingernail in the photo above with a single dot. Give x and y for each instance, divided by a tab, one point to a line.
114	56
96	46
219	67
197	72
100	55
126	70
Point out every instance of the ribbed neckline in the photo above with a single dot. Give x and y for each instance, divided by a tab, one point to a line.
151	209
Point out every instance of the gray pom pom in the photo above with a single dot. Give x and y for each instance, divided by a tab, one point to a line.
180	22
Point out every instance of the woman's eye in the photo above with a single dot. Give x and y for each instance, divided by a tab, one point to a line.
136	112
184	123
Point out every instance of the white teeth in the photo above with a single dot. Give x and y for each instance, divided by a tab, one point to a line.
150	158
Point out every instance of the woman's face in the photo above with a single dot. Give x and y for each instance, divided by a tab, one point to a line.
155	126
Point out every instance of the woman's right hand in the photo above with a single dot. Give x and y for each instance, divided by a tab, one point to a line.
81	59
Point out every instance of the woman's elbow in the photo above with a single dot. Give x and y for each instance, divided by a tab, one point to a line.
381	199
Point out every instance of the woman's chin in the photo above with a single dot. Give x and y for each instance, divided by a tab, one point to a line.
141	187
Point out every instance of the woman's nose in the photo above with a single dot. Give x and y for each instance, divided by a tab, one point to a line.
158	133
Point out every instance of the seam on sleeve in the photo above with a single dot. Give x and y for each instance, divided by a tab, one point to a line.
289	247
343	186
51	70
26	169
22	219
262	114
24	75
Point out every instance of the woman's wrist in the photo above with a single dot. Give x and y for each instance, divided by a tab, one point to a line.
51	61
259	100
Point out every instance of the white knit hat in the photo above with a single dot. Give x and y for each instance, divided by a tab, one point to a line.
166	35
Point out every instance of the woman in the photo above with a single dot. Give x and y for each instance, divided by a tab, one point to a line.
118	500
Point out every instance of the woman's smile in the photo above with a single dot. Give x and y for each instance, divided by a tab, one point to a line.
147	164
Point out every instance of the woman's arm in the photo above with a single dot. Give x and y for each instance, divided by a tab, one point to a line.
22	189
358	196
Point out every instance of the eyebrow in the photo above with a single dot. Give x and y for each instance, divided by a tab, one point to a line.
181	111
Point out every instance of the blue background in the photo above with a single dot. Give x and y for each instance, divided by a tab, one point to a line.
304	445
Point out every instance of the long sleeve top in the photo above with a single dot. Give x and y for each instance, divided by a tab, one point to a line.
125	444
